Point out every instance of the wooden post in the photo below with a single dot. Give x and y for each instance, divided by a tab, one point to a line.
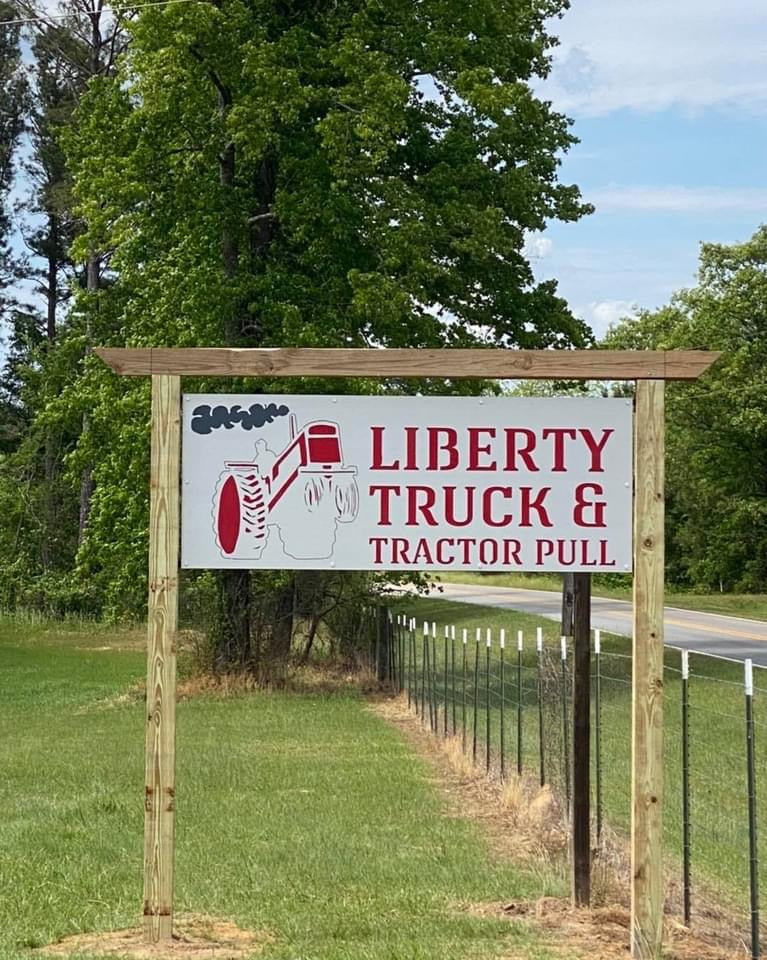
160	793
647	709
581	858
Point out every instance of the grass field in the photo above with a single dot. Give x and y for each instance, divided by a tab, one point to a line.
719	813
307	816
752	606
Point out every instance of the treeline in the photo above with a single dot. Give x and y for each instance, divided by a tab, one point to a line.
262	174
716	473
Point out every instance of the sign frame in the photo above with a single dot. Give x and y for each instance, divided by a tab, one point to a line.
650	370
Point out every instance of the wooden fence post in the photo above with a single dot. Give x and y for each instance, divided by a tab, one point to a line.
581	816
647	710
160	791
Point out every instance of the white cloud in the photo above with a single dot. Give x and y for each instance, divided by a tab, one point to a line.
537	247
600	315
656	54
679	199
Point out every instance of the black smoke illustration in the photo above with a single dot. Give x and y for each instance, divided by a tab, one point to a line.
205	419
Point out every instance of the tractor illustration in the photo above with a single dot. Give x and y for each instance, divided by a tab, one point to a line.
304	491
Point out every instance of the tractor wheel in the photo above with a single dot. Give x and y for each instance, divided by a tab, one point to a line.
347	498
240	513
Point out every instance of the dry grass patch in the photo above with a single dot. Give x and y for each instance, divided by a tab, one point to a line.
601	933
195	938
527	823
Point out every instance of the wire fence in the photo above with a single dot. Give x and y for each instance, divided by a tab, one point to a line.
506	696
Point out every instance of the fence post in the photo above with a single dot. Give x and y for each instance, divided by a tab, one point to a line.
487	703
463	695
476	695
520	640
424	661
565	733
452	672
433	677
598	740
503	695
541	748
752	835
686	784
409	673
581	756
444	685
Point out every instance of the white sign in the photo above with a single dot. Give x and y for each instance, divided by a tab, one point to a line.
407	483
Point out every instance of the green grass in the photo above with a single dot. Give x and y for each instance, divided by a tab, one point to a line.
750	605
304	815
719	810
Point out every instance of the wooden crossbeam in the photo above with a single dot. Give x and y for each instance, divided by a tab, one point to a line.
410	362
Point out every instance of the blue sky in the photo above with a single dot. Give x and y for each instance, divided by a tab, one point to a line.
669	99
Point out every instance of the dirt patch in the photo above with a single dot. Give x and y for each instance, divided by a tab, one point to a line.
526	823
195	938
601	933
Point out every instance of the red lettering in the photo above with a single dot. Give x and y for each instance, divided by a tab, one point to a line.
476	449
559	434
384	506
411	449
449	445
492	547
399	549
450	517
595	449
441	558
530	503
523	452
428	498
511	549
487	506
422	552
583	504
543	549
377	543
377	456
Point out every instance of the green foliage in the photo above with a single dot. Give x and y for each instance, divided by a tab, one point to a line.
304	175
717	426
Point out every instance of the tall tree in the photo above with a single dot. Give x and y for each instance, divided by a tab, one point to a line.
717	427
290	174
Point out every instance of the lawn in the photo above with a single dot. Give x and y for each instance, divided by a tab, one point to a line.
718	793
750	605
304	815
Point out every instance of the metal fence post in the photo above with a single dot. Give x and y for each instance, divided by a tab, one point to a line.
598	736
476	695
520	641
444	685
465	638
503	695
452	672
433	677
686	783
565	733
752	835
487	703
541	748
424	662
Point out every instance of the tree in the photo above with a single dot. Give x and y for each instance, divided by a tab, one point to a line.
13	97
306	175
717	426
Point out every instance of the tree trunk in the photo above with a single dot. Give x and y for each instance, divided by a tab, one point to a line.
92	281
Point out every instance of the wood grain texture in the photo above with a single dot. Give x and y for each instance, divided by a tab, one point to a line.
452	363
160	792
647	699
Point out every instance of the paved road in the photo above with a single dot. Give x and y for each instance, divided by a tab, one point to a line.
705	632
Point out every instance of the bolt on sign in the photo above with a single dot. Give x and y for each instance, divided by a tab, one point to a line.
406	483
